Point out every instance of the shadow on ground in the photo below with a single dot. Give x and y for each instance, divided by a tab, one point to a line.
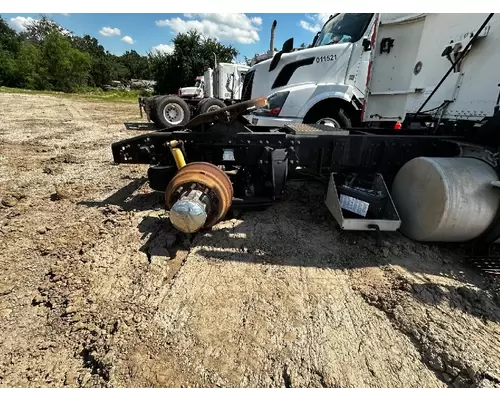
300	232
126	200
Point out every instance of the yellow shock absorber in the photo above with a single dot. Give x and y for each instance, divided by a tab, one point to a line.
177	153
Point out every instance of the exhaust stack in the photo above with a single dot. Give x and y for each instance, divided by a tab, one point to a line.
271	44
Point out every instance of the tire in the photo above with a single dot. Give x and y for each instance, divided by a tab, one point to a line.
151	105
197	111
336	117
210	104
171	111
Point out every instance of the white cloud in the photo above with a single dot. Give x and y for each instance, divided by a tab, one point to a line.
108	31
19	23
315	22
257	21
128	40
65	14
226	27
66	32
163	48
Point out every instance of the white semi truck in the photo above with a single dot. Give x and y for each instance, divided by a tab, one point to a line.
438	73
327	83
324	83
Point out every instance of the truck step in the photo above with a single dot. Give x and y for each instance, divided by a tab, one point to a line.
486	265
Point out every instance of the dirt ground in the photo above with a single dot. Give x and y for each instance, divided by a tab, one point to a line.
97	289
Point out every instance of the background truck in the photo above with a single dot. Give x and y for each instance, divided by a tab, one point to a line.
217	88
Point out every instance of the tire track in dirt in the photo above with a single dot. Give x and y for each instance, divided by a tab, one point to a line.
453	326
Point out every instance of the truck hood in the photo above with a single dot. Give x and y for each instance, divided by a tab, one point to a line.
190	90
264	79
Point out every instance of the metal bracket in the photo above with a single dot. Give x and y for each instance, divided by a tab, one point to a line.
454	49
481	247
227	114
279	167
478	152
378	236
386	44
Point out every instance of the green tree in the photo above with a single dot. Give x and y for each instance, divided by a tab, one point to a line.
27	66
247	61
38	30
10	43
101	70
64	67
9	39
192	55
48	56
119	71
136	65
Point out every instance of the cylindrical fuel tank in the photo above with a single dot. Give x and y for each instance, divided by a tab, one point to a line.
445	199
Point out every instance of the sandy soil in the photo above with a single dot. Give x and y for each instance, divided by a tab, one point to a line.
97	289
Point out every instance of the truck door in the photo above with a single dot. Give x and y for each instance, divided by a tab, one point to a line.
355	29
360	59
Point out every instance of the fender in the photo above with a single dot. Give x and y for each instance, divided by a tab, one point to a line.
342	92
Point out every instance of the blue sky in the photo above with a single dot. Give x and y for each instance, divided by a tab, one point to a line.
249	33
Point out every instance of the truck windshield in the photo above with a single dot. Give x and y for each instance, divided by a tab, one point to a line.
343	28
197	84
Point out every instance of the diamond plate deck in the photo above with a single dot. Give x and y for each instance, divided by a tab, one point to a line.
317	129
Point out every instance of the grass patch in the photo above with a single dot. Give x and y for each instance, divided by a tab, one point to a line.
96	94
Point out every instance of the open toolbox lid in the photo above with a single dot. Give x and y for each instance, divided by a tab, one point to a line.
356	208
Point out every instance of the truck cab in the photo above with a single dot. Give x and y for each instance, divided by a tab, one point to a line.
196	91
322	84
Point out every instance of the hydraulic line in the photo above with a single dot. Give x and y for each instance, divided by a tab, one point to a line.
452	68
177	154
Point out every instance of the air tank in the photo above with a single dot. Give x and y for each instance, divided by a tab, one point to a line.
445	199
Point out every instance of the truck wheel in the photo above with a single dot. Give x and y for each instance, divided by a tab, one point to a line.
198	107
336	118
153	115
151	104
209	105
172	111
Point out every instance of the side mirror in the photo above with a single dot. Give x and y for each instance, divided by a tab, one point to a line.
315	39
367	45
287	46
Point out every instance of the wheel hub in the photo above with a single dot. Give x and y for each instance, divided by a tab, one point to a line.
213	108
173	113
199	195
329	122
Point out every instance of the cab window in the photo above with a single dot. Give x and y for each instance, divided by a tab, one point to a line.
343	28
